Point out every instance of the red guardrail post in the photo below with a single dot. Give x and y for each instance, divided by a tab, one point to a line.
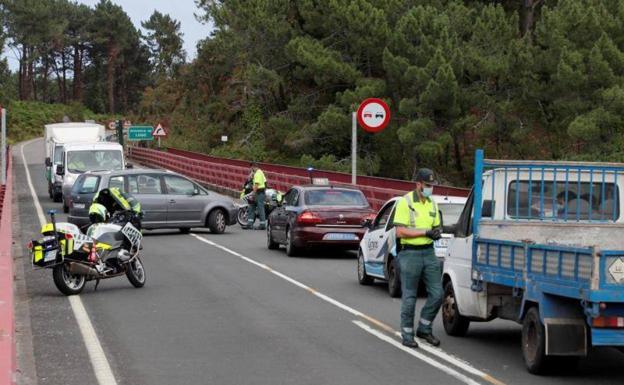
7	319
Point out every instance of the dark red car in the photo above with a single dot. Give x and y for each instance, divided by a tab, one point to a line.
318	216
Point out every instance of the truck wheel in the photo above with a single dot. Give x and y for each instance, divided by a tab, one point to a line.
216	221
394	279
57	197
65	208
363	278
454	323
534	342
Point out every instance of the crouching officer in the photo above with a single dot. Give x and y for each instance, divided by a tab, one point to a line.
417	221
115	200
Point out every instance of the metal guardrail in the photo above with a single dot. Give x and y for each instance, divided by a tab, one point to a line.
7	319
230	174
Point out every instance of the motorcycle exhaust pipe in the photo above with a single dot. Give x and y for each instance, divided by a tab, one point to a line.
81	269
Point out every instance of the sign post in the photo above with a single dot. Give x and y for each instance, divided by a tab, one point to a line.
373	115
354	148
3	142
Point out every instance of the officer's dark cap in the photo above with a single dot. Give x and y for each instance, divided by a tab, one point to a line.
424	175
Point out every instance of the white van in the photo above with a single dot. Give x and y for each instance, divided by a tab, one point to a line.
78	158
55	136
376	256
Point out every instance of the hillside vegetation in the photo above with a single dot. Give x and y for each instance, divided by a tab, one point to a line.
522	79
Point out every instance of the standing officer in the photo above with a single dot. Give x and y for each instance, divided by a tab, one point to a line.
417	221
259	187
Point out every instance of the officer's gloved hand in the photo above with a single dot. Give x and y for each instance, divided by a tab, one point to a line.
434	234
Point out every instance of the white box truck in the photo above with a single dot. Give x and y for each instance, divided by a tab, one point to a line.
58	134
78	158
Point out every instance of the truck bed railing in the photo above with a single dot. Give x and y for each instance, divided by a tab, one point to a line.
548	191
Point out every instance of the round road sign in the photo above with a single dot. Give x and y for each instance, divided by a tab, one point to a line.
373	115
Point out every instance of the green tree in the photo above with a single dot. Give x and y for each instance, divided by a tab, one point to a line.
164	40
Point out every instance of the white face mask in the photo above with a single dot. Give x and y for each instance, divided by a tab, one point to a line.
427	191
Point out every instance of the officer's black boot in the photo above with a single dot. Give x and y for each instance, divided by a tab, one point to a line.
430	338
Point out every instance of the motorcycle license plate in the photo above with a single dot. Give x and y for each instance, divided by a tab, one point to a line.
340	237
50	255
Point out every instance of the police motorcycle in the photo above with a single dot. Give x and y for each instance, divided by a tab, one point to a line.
273	198
107	250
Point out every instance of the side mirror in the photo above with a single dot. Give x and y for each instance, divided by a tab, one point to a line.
368	223
449	229
129	165
60	169
48	162
487	210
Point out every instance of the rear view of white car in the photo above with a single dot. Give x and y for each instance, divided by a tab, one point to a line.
377	253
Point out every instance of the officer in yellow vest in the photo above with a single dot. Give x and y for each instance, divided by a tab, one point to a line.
259	188
417	222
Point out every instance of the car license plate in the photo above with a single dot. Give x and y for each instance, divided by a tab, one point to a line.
79	205
340	237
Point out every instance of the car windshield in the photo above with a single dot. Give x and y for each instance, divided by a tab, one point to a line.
335	197
81	161
450	212
86	184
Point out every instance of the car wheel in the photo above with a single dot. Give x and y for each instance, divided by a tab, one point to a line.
454	323
363	278
291	249
216	221
271	244
394	279
185	230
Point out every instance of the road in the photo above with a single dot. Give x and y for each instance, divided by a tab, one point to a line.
223	309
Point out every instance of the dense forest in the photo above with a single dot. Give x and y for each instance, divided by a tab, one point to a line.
520	78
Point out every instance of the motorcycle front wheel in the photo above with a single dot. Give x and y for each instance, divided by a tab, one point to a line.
66	282
241	218
136	273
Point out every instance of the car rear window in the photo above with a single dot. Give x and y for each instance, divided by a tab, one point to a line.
334	197
86	184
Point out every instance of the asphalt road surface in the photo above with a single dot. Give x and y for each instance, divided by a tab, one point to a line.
223	309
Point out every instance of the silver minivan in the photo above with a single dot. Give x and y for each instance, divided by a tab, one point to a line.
168	199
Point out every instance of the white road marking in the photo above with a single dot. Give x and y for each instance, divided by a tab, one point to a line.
414	352
101	367
441	354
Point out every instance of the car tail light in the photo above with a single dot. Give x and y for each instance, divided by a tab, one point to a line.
608	322
309	218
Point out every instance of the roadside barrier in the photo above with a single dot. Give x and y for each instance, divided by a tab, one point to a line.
230	174
7	319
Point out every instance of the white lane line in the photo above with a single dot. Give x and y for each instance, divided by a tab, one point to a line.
441	354
101	367
414	352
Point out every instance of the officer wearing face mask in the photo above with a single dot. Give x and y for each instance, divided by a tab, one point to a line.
417	221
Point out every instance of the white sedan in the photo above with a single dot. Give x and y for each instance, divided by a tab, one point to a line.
376	256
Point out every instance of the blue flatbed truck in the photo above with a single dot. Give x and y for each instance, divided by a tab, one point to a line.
541	243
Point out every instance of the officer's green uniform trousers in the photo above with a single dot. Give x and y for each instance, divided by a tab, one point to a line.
414	265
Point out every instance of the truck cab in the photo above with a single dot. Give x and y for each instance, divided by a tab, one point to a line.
78	158
539	243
